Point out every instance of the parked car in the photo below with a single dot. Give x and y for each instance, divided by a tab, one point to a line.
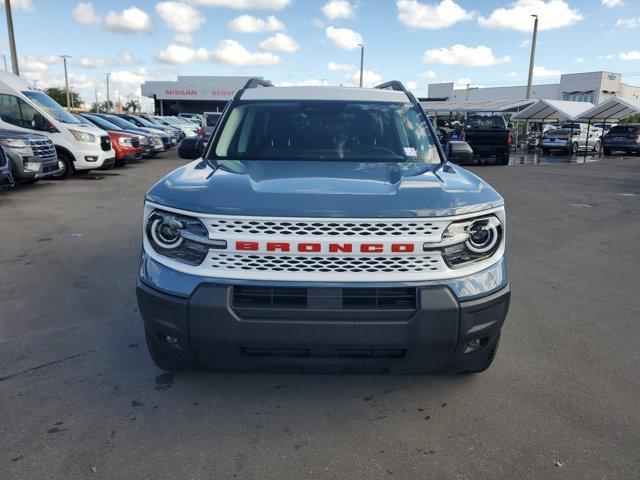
30	156
126	145
210	122
5	171
196	118
622	138
145	139
488	136
339	238
29	110
172	132
571	138
187	129
161	141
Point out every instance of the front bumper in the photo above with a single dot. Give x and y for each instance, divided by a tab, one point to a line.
624	146
213	330
32	168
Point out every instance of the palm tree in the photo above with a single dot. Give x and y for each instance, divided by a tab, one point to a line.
132	105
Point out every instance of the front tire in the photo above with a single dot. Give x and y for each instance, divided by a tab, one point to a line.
65	163
597	147
504	159
574	148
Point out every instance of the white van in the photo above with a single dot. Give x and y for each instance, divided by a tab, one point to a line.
79	147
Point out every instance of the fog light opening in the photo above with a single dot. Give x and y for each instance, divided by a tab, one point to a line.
90	158
170	339
474	345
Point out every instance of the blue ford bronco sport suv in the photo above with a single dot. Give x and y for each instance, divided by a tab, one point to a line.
323	229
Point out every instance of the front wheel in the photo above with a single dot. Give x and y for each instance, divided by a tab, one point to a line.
597	147
574	148
65	165
504	159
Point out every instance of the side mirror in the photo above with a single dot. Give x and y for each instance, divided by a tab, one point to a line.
510	126
191	148
459	152
38	122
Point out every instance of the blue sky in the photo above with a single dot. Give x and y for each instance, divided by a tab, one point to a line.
304	41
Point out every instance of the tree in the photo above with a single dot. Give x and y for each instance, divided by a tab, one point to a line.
103	107
60	96
132	105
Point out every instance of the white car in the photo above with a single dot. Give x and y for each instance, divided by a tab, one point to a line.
571	138
188	129
25	108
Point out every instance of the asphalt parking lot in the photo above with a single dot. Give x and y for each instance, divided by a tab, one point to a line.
81	399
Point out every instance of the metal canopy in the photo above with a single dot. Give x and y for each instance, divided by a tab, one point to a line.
613	109
444	106
552	111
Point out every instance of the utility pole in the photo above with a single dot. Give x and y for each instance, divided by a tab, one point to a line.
108	102
4	57
468	85
361	62
12	40
66	79
532	59
97	104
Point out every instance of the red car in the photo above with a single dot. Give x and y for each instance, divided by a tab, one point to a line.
126	146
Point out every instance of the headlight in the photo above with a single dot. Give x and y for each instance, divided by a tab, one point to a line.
83	136
178	237
471	241
124	141
14	143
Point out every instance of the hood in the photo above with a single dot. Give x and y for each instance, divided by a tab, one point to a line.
323	189
19	134
98	132
154	131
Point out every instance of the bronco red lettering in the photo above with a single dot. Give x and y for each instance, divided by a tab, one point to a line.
402	247
247	246
371	248
340	247
309	247
273	246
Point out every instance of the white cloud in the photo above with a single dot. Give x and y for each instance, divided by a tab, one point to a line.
630	55
632	22
428	74
344	38
411	85
414	14
340	67
370	78
338	9
127	58
176	54
232	52
551	13
280	42
86	62
25	5
180	16
480	56
85	14
540	71
611	3
605	57
578	60
311	82
129	20
80	82
126	79
183	39
512	74
249	24
245	4
462	83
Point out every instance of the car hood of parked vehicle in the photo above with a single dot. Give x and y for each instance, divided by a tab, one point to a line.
323	189
21	135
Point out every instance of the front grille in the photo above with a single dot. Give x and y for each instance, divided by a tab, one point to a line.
42	148
327	227
400	298
427	262
323	352
105	143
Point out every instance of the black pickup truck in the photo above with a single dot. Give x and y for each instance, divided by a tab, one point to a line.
488	136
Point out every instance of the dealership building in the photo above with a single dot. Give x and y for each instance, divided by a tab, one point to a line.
594	87
192	94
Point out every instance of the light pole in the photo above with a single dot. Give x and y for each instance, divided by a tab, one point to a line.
4	57
108	101
12	40
66	79
533	55
361	62
97	104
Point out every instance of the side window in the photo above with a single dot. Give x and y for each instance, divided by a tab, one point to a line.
16	111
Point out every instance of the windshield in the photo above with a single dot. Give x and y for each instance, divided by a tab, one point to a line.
145	122
121	122
486	121
320	130
102	123
52	107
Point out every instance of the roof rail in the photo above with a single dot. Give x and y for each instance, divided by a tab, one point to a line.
257	82
395	85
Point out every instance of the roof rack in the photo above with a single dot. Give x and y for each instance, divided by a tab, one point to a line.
395	85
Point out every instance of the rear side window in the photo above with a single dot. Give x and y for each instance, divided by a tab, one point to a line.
486	121
624	130
16	111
